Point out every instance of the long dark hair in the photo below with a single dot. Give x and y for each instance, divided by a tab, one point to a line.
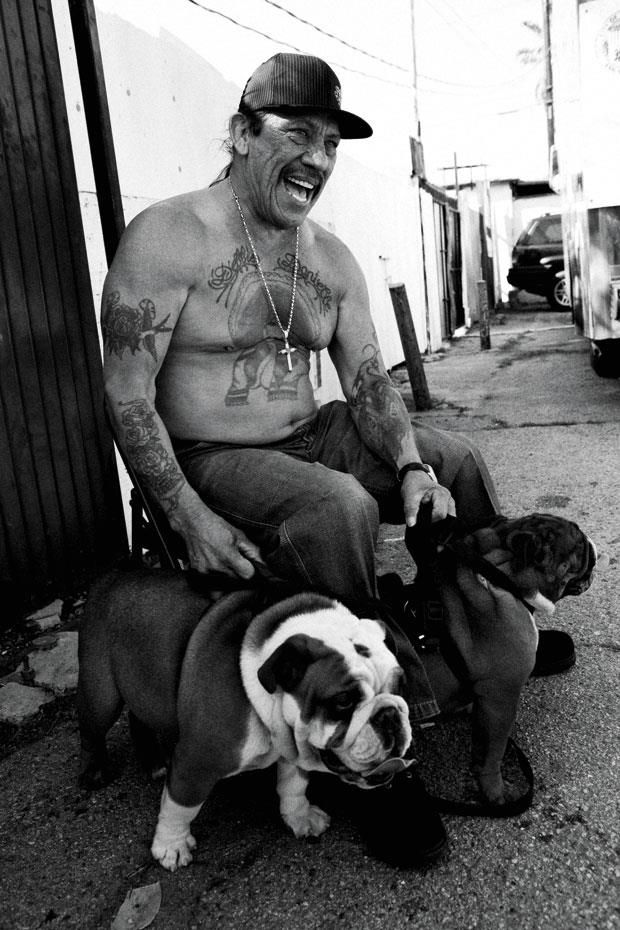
255	120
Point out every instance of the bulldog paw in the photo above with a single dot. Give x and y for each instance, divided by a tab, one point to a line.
308	820
492	788
498	791
173	854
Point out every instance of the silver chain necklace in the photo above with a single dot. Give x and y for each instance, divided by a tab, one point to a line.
288	349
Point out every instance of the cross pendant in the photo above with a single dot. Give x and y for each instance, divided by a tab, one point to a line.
287	350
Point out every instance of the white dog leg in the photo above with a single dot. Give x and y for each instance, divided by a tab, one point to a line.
303	818
173	843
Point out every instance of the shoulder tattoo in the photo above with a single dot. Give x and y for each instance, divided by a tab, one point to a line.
132	328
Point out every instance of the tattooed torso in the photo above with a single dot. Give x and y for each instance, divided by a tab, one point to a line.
227	348
224	375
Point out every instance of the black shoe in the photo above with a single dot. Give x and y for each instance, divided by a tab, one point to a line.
555	653
400	823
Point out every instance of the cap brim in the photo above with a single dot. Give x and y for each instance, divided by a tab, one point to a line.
352	126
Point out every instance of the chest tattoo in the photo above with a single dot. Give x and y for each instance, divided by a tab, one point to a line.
225	276
259	366
311	279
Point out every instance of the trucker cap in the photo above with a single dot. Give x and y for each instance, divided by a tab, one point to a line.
301	82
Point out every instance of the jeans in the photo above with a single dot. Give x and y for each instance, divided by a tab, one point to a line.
313	502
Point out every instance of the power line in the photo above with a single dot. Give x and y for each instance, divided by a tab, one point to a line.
454	26
373	77
331	35
481	114
464	84
265	35
475	34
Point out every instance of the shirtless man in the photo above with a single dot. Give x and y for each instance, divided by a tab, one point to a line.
211	309
194	358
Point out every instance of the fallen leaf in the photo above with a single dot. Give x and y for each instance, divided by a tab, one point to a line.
139	909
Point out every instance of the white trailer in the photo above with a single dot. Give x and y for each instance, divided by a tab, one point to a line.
584	113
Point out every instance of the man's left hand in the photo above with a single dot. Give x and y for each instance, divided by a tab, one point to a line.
419	488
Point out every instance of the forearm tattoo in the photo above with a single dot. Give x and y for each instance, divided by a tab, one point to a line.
132	328
378	409
147	453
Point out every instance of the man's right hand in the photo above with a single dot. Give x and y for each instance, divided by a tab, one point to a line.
213	545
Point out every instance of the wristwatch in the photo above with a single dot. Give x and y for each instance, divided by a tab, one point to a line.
416	466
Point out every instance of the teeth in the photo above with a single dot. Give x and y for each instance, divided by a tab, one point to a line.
299	188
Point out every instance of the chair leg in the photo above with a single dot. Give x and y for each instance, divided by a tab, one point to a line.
137	527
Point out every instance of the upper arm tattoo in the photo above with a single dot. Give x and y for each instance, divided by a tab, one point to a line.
132	328
378	408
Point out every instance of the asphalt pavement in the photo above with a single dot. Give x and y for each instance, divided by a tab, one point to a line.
549	430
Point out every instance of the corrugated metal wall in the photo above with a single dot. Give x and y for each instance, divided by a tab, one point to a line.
61	517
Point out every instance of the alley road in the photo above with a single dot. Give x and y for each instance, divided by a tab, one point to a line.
549	428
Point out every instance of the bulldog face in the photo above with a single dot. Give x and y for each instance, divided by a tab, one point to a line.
546	556
340	697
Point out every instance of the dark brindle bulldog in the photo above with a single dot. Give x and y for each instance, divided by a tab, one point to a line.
491	582
226	688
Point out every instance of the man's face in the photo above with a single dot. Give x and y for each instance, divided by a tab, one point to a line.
288	165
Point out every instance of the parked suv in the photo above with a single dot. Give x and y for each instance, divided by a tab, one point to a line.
538	261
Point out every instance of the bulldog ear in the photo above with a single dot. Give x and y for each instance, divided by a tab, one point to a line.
286	667
525	549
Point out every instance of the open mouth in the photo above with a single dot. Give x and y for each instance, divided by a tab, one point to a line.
299	188
376	776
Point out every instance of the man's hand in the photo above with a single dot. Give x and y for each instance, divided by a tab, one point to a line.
419	488
213	545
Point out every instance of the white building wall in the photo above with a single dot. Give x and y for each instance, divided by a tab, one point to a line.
469	210
434	309
503	235
378	218
169	109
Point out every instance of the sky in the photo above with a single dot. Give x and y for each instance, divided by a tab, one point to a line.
478	99
474	99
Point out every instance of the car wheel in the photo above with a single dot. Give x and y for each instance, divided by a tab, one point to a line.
605	358
558	297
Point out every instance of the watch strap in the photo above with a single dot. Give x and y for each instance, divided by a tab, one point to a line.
416	466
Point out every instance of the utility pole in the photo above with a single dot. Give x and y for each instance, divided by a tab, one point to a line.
548	72
416	109
417	173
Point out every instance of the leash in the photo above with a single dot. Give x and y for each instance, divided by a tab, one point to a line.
448	543
483	567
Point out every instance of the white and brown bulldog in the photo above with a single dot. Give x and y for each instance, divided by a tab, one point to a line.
303	683
493	583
